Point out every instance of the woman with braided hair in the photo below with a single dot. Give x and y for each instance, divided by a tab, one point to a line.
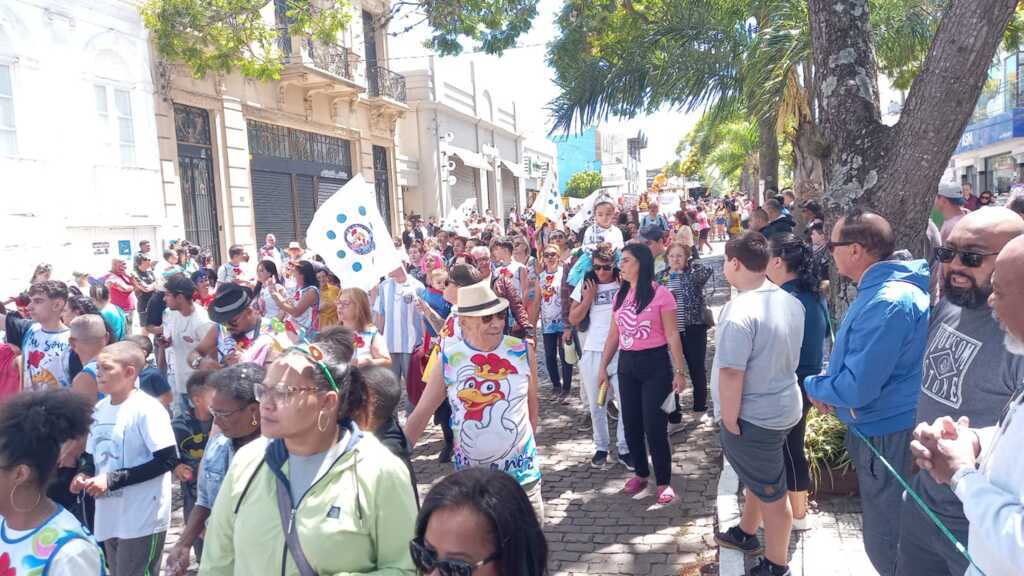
793	268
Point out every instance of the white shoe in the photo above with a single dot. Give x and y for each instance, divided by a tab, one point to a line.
802	524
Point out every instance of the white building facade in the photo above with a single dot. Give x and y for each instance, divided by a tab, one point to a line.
540	164
461	140
79	166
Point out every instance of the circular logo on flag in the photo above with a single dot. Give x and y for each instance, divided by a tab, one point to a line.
359	239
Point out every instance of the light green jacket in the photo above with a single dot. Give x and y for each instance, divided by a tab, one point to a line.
356	518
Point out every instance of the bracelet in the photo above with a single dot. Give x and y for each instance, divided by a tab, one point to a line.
679	371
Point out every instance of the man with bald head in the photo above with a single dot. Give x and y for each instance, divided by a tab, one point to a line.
967	373
874	373
983	466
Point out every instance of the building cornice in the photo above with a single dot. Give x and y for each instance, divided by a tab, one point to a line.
442	107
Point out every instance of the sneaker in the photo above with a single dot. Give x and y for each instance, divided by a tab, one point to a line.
676	428
445	457
802	524
765	568
666	495
634	485
735	539
707	419
599	460
627	461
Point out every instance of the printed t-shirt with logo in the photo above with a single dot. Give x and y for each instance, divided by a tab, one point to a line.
643	330
60	547
551	300
362	341
488	393
45	355
600	314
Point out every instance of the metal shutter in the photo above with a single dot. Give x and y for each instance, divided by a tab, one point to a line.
508	192
465	185
327	188
307	203
273	205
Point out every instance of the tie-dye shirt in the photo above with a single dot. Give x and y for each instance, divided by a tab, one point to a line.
643	330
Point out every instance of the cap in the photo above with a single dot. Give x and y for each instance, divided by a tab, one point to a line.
951	192
652	232
294	245
180	284
230	301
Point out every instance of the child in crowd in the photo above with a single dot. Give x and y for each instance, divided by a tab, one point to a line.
88	338
126	466
603	229
151	380
191	432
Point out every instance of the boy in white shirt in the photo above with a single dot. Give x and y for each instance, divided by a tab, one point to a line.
603	229
127	462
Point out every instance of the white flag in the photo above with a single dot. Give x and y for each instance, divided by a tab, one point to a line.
349	233
549	203
456	220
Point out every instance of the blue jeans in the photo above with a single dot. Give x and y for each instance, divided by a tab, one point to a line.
881	495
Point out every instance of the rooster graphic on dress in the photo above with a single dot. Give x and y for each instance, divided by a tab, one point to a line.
488	432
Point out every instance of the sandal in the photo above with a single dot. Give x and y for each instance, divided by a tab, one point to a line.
634	485
666	495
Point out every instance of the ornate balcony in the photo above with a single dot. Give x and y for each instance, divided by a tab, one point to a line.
315	66
384	83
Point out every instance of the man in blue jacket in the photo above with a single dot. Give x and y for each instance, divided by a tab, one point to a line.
874	374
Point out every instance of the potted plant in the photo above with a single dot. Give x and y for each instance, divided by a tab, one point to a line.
830	465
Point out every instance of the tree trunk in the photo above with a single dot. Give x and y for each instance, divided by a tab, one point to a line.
896	170
808	165
768	151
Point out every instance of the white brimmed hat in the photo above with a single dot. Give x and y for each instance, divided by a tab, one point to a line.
479	300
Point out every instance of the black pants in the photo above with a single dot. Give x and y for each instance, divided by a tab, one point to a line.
645	380
798	472
553	353
695	350
443	417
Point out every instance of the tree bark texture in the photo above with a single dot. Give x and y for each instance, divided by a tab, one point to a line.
895	170
808	162
768	152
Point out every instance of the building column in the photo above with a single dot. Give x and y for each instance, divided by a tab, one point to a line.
238	186
167	148
483	190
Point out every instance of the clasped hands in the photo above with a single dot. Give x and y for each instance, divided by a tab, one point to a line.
945	446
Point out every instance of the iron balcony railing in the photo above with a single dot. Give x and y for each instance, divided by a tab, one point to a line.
331	58
384	83
996	98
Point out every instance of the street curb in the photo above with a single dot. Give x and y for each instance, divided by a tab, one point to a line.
727	507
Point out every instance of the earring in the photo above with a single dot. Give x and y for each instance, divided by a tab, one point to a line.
318	417
254	421
39	496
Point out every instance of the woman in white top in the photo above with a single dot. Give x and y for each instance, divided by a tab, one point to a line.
269	280
303	306
354	312
37	535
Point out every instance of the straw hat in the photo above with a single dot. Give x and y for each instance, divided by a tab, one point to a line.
479	300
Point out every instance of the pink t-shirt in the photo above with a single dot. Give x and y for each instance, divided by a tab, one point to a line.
643	331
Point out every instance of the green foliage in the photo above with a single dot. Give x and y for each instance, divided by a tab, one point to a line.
825	445
494	24
582	184
220	36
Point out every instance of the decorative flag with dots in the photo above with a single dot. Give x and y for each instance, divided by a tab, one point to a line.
549	202
349	233
456	220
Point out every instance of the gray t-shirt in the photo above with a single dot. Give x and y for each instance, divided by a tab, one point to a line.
967	372
301	473
760	332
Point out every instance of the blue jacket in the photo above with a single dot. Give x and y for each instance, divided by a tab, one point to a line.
874	374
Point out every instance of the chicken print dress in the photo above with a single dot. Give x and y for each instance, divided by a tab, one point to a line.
490	413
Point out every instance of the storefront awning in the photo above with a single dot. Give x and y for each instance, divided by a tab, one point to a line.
468	157
514	168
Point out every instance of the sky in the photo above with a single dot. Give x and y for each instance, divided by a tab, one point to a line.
663	129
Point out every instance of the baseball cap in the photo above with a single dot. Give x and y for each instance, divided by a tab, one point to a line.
652	232
951	192
180	284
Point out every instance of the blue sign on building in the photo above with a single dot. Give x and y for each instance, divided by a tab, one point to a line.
1000	127
576	154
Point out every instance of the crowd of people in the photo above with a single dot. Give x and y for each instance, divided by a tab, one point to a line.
287	405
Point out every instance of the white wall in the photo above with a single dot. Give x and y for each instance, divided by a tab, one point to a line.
66	185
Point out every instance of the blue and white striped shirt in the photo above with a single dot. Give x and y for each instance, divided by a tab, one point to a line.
403	322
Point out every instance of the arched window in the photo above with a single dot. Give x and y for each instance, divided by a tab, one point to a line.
115	126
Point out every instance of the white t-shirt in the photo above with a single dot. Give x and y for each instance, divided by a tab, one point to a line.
185	333
228	273
600	314
76	557
596	235
125	436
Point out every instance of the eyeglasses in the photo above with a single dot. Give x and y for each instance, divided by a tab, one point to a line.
970	259
279	394
605	267
500	315
218	415
426	561
551	255
833	245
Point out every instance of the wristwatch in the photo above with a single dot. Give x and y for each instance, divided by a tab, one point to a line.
960	474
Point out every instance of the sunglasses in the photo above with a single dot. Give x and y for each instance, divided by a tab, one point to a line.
426	561
969	259
605	267
500	315
833	245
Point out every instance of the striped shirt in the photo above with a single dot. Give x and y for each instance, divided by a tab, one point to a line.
687	288
403	322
